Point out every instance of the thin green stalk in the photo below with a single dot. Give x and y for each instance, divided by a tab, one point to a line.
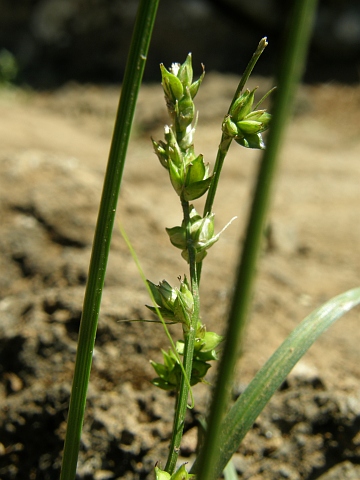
250	67
226	140
289	75
132	80
223	149
189	339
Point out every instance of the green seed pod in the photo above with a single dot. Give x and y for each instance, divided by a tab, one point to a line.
176	177
242	106
164	313
260	116
251	141
206	231
185	72
163	384
256	115
184	305
211	340
177	236
161	474
169	359
172	86
181	474
181	314
187	142
238	104
155	292
186	296
194	87
229	127
160	150
198	345
164	296
167	294
249	126
196	170
194	216
207	356
200	330
196	190
172	147
199	370
200	254
195	228
174	377
160	369
185	110
180	346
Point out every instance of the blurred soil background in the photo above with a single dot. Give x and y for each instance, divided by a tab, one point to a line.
55	129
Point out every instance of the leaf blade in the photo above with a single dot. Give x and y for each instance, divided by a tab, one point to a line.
249	405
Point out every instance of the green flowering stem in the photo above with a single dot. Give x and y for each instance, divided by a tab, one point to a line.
181	403
250	67
222	152
225	139
132	80
189	339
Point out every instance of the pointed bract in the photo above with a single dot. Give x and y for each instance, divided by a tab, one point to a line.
252	141
172	86
185	73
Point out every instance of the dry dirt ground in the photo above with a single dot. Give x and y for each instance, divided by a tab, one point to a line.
53	153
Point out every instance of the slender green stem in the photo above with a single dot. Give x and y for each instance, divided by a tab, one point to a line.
226	140
223	149
88	326
289	75
250	67
224	146
181	403
189	338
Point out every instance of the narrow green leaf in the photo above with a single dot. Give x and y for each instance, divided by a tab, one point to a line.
88	326
269	378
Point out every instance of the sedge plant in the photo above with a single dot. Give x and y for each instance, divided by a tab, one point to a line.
187	360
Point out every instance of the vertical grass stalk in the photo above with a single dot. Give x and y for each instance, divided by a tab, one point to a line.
291	68
132	80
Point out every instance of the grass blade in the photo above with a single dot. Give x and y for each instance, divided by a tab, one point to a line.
132	80
249	405
290	72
